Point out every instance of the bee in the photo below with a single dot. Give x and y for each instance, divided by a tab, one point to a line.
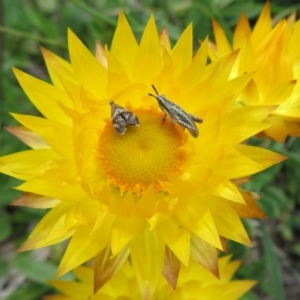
177	114
122	117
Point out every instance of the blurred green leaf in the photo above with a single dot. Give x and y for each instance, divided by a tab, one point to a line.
276	287
36	270
5	227
3	268
31	291
249	296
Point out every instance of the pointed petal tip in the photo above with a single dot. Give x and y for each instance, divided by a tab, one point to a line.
25	247
122	16
61	271
215	271
171	268
17	72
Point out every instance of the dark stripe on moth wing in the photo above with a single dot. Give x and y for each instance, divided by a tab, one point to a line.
130	118
177	114
119	124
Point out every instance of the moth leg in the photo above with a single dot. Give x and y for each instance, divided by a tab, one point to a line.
163	120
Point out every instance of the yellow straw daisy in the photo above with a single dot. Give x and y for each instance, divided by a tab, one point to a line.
155	189
194	282
271	53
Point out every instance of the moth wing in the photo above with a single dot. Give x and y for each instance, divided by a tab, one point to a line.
116	110
185	120
193	131
119	124
131	119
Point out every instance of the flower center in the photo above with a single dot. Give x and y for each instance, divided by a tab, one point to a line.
143	155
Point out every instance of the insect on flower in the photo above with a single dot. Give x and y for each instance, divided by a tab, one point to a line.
122	117
177	114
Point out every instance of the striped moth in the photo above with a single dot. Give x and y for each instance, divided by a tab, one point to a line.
122	117
177	114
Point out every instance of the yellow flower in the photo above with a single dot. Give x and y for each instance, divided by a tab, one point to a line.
271	52
194	282
155	188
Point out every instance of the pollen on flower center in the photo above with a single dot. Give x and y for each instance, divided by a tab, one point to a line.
144	154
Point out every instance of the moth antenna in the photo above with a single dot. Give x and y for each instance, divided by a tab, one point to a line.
111	101
115	98
155	90
104	103
152	95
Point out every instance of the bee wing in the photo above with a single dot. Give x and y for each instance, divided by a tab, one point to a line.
130	118
119	124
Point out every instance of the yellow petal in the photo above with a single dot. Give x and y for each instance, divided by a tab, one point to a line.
234	290
124	45
205	254
123	230
164	39
84	274
75	290
48	130
28	137
250	94
83	246
229	191
57	67
87	70
264	157
263	25
147	64
147	257
100	54
278	94
53	188
219	71
277	130
35	201
223	45
196	217
106	266
145	207
192	75
182	52
14	164
227	221
121	77
176	237
52	222
171	268
250	209
38	92
241	32
236	166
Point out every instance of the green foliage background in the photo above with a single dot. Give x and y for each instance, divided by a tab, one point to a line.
25	25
